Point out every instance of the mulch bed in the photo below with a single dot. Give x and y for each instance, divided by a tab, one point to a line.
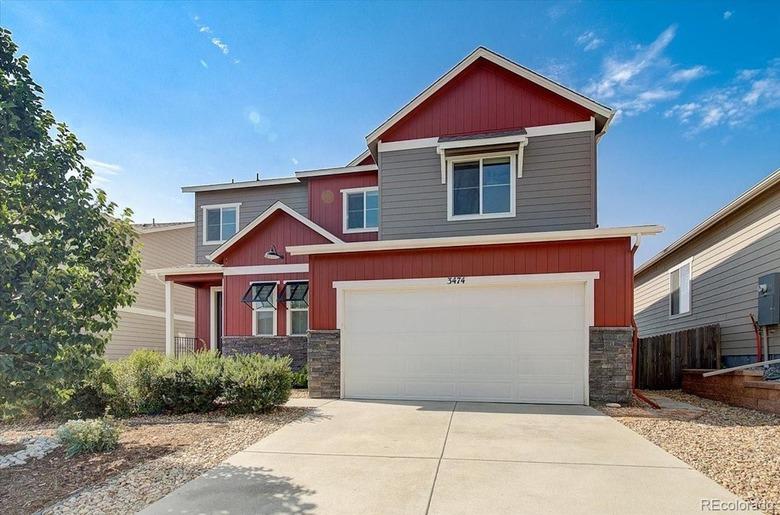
28	488
737	447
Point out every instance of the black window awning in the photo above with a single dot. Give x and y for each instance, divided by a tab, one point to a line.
258	293
294	291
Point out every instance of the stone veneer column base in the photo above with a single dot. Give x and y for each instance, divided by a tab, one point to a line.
325	364
293	346
610	364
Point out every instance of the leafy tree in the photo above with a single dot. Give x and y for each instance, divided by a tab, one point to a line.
67	259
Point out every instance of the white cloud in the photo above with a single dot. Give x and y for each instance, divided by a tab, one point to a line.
221	45
294	161
727	15
261	125
213	39
204	63
618	73
589	41
689	74
106	168
103	172
747	95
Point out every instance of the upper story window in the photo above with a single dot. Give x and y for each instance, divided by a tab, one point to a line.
220	222
481	187
680	289
361	209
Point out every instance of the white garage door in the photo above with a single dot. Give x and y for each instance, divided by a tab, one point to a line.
483	339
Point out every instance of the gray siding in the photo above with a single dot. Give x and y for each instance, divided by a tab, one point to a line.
727	261
253	202
557	191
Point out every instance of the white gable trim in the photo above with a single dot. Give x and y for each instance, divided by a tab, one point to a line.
530	132
505	63
336	171
359	158
278	206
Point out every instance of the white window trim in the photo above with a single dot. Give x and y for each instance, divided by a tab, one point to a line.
205	209
273	301
213	336
290	310
688	262
473	157
350	191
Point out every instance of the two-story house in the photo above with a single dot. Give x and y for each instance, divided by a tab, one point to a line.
459	257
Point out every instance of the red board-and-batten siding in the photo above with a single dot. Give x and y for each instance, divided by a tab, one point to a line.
280	230
485	98
612	258
326	202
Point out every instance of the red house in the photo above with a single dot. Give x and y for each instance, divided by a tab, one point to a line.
458	258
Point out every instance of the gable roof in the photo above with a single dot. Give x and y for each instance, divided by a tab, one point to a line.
277	206
728	209
600	110
161	226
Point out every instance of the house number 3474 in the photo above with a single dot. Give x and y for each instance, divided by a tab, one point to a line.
456	280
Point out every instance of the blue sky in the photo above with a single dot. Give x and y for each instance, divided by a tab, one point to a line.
172	94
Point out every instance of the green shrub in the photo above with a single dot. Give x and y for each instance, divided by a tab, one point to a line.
255	383
134	382
189	383
95	435
93	396
300	379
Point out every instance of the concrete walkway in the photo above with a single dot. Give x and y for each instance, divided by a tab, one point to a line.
366	457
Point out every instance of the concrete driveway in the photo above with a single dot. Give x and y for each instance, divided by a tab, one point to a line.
368	457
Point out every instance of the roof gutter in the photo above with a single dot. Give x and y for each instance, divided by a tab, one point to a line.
471	241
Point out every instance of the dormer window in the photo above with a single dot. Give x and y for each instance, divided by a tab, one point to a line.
481	186
220	222
361	209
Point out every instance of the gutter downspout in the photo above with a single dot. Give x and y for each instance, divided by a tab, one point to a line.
635	343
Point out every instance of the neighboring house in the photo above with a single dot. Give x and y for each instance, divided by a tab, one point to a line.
458	257
142	325
710	275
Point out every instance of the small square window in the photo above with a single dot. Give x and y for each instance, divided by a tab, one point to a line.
361	210
481	187
220	223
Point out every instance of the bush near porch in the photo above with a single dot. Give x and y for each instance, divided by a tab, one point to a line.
148	383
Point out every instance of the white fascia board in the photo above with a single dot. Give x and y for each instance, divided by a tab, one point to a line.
541	130
505	63
266	269
758	189
336	171
244	184
463	241
359	158
277	206
185	270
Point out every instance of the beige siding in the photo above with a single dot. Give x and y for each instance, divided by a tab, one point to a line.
143	324
727	262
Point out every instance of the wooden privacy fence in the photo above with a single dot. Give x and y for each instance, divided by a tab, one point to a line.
662	358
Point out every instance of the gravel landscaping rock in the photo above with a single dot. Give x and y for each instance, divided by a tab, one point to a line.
737	447
34	447
132	490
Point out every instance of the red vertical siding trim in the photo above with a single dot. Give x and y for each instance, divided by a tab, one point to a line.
238	316
484	98
326	202
281	230
202	312
610	257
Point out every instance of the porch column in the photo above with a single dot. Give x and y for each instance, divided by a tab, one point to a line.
169	318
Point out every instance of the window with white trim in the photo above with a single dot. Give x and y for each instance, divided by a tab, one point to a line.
680	290
220	222
481	187
361	209
298	309
264	313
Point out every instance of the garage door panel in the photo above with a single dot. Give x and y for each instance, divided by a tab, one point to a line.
509	343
